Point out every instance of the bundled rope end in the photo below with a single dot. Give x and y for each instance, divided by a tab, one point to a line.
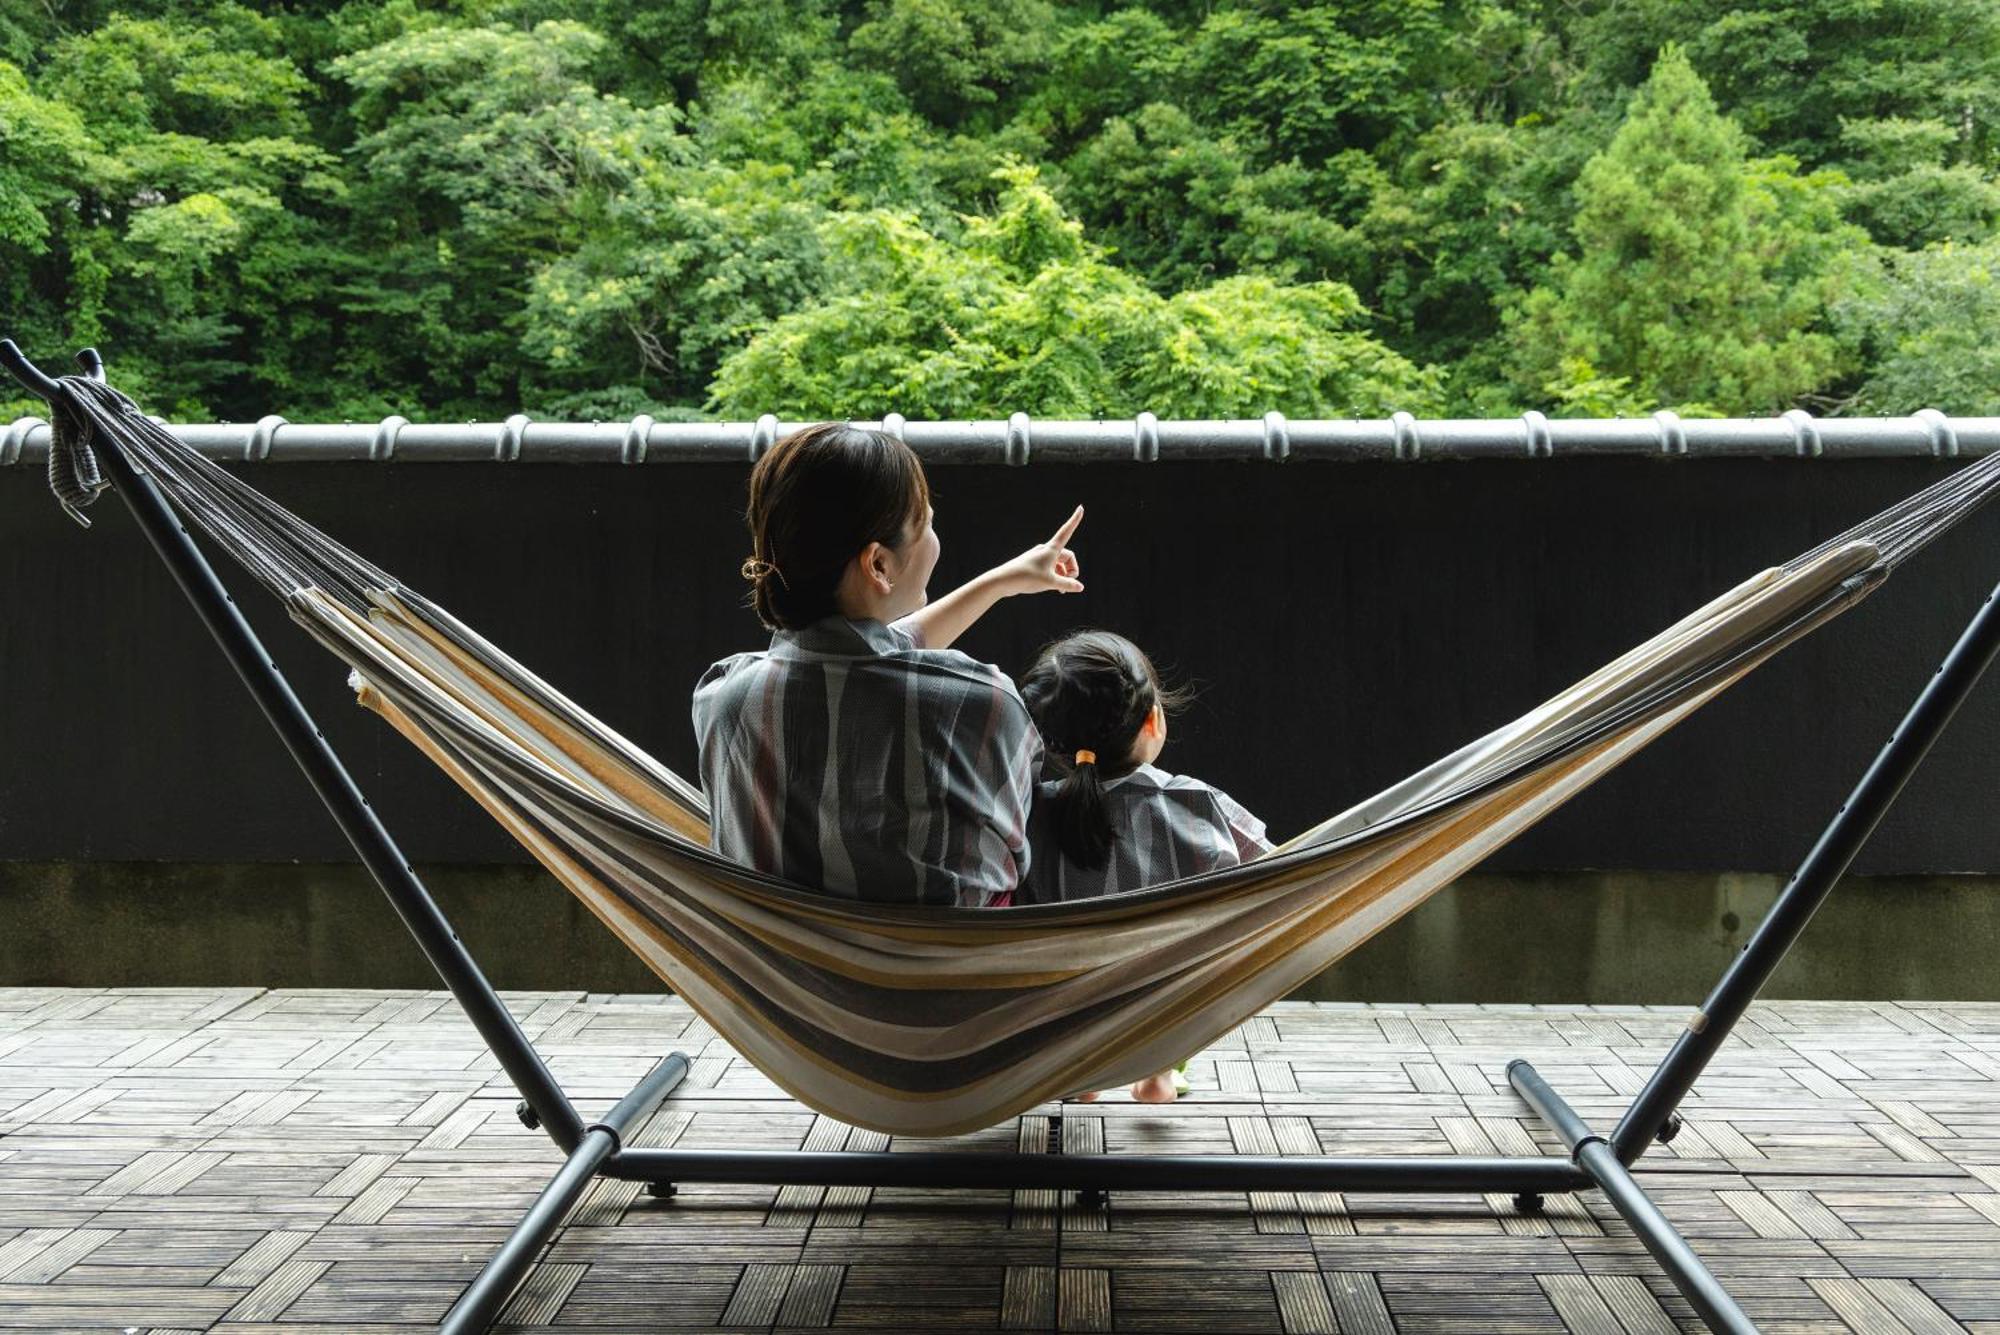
74	474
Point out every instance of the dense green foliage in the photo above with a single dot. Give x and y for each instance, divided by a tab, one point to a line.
590	208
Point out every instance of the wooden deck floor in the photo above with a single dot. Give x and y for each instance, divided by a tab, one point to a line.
253	1161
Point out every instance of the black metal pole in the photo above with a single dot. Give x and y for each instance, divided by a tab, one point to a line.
489	1291
1812	882
1548	1105
1697	1284
17	364
480	1303
1594	1156
336	788
1102	1172
645	1096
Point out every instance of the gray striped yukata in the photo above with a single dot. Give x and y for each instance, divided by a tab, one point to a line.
1167	826
850	758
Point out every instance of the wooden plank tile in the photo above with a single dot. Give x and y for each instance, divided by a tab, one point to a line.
1083	1299
541	1295
258	1260
1911	1306
1637	1310
40	1255
1304	1306
759	1293
1028	1298
279	1290
1579	1304
322	1159
811	1300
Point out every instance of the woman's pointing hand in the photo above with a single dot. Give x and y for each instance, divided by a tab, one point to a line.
1048	566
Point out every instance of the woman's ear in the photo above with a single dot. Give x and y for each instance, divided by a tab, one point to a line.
1156	722
878	570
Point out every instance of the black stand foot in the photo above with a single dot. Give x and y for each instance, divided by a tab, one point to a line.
481	1302
1593	1155
1528	1202
662	1191
527	1116
1669	1129
1090	1198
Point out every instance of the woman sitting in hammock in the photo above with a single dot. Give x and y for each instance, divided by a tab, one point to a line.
860	753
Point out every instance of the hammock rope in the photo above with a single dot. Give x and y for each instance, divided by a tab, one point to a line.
918	1020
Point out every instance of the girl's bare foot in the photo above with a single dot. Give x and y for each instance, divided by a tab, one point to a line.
1155	1088
1091	1097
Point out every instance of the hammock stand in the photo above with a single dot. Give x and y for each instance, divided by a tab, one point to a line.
597	1149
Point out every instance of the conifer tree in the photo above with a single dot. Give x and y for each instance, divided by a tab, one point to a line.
1698	278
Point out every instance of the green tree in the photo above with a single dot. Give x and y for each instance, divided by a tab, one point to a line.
1183	208
1424	197
1028	312
1926	321
1792	73
1306	81
1701	277
1473	212
1906	190
1110	67
848	135
174	159
585	207
486	154
43	145
685	263
954	56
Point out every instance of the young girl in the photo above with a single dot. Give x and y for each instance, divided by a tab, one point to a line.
860	754
1115	822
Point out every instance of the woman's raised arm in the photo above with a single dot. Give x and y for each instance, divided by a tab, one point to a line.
1046	567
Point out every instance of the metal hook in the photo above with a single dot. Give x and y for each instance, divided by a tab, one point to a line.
25	371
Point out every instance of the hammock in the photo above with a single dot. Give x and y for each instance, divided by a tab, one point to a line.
935	1021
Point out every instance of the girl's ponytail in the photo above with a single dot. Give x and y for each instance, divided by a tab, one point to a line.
1083	827
1090	694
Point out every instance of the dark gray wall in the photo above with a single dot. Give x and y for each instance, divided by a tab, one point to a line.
1348	622
1604	937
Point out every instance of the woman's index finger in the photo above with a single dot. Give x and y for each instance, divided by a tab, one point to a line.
1063	534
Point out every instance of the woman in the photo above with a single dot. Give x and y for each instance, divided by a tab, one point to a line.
860	754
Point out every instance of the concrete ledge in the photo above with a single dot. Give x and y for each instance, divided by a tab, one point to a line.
1556	937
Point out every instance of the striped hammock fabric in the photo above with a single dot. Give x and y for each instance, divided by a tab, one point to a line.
935	1021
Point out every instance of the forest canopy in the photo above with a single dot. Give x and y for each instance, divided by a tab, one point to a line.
960	208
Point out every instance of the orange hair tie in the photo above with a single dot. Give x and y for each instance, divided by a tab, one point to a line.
1086	757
